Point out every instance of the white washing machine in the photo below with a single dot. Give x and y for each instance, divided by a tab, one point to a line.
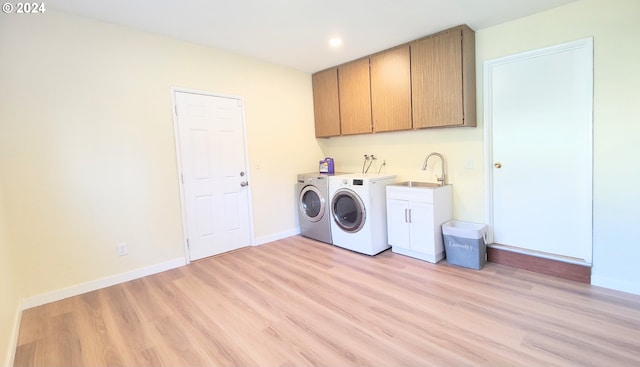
313	205
359	211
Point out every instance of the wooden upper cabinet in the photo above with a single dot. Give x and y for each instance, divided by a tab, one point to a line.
443	79
326	108
391	90
429	82
355	97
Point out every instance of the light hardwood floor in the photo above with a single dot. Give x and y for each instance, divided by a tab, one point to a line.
297	302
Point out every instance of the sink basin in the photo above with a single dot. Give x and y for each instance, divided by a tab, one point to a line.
429	185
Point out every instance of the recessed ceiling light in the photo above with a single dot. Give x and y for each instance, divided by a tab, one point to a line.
335	42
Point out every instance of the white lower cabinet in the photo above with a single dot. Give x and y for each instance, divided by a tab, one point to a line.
414	220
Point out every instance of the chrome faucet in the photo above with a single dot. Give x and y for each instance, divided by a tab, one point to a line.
442	179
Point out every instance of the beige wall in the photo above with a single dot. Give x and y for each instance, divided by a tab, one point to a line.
614	26
88	147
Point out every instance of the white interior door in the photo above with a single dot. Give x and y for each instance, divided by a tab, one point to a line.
538	116
212	155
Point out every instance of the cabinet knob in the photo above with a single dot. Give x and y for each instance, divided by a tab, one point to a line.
497	165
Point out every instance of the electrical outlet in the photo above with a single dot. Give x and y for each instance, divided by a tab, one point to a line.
122	249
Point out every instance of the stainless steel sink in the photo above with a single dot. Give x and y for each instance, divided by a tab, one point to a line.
429	185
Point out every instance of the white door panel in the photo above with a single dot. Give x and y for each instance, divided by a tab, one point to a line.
539	116
212	157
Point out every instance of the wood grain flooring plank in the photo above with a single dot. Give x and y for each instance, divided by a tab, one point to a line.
237	321
197	325
300	320
274	312
371	294
97	340
338	315
36	328
26	355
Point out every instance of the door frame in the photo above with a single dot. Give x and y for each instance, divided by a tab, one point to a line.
488	122
178	148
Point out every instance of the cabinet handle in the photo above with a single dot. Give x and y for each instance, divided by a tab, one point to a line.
409	215
406	216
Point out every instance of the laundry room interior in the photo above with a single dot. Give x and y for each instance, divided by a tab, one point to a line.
92	183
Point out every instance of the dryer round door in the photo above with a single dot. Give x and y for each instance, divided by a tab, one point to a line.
348	210
311	203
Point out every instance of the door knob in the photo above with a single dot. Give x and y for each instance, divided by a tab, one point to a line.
244	183
497	165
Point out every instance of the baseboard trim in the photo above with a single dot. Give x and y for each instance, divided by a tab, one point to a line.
100	283
276	236
560	269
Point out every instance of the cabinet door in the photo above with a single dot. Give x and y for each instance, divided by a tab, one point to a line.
422	227
443	79
391	90
397	223
355	97
326	108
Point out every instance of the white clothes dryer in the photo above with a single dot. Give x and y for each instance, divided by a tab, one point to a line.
359	211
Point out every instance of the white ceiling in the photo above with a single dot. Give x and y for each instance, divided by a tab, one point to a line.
295	33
